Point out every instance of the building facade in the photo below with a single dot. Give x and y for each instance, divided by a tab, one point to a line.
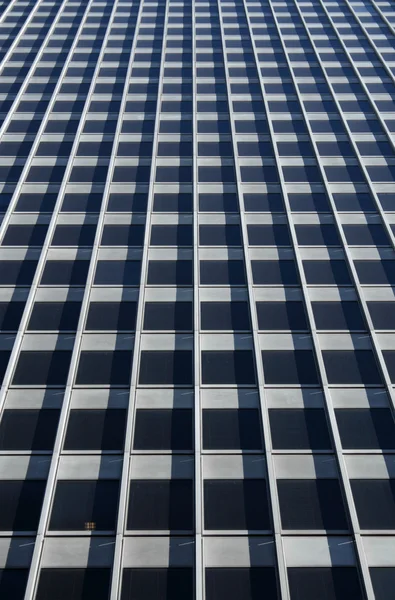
197	273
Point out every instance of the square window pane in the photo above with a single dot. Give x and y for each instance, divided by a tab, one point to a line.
42	368
274	272
299	429
311	504
112	316
228	367
166	367
163	429
96	429
232	429
172	583
74	584
170	272
331	583
168	316
382	314
236	504
290	367
374	502
232	316
383	581
28	429
222	272
161	505
366	429
104	368
21	503
351	367
13	583
118	272
80	505
242	583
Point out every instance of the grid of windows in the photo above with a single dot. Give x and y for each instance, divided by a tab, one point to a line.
197	265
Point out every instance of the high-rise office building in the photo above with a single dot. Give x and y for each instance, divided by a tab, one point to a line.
197	274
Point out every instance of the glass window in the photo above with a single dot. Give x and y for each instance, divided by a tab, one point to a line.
80	505
374	502
74	235
299	429
290	367
220	235
21	503
228	367
268	235
383	580
123	235
55	316
25	235
13	583
28	429
17	272
351	367
172	583
311	504
170	272
161	505
366	429
366	235
376	272
331	583
112	316
166	367
338	316
163	429
222	272
118	272
274	272
382	314
96	429
65	272
226	202
74	584
168	316
236	504
326	272
317	235
248	583
104	368
42	368
233	316
11	315
232	429
281	316
171	235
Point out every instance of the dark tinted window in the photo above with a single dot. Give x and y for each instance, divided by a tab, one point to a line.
228	367
65	272
160	505
25	235
366	235
166	367
82	505
389	357
74	584
290	367
96	429
21	503
281	315
382	314
317	235
112	316
163	429
299	429
104	368
118	272
364	428
376	272
16	272
123	235
383	580
241	583
268	235
338	315
232	429
13	583
158	584
331	583
222	272
62	316
219	235
170	272
74	235
171	235
351	367
311	504
326	272
225	315
42	368
11	315
274	272
236	504
28	429
168	316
